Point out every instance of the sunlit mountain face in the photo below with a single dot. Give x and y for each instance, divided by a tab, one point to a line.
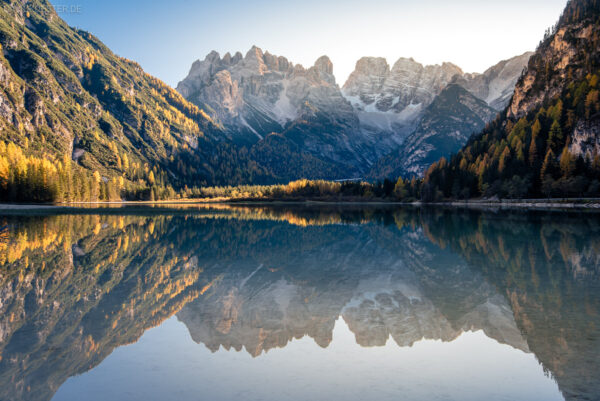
299	303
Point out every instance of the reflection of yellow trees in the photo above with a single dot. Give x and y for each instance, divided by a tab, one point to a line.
502	248
11	249
210	284
440	241
96	282
54	233
567	248
406	217
302	216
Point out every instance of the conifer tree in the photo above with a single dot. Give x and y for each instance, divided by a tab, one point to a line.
400	189
549	172
555	137
567	162
533	153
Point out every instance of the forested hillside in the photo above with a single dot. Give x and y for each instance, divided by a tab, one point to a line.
81	123
547	143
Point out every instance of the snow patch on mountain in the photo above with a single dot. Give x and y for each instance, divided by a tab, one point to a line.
408	88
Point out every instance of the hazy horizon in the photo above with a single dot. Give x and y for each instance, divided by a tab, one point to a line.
167	38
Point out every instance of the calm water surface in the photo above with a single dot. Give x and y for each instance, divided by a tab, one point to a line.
299	303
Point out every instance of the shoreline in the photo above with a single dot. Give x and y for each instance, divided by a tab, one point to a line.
534	204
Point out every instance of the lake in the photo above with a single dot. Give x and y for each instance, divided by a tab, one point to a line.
222	302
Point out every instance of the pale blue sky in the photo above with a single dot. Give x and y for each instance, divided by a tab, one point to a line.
166	37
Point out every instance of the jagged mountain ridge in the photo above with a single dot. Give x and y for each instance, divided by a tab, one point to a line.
265	302
260	94
395	99
392	100
347	129
416	102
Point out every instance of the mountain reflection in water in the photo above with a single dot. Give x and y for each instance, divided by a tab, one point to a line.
73	287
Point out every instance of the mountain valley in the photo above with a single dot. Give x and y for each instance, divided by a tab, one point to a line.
81	123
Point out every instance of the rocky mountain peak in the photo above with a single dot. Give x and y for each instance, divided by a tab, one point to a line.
271	61
324	70
373	65
324	64
262	92
255	60
369	74
236	57
451	67
284	64
538	84
404	63
298	69
213	57
254	52
228	59
554	107
395	99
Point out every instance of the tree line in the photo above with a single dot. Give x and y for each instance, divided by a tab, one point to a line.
43	179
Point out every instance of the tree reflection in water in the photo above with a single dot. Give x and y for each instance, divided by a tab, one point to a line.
73	287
